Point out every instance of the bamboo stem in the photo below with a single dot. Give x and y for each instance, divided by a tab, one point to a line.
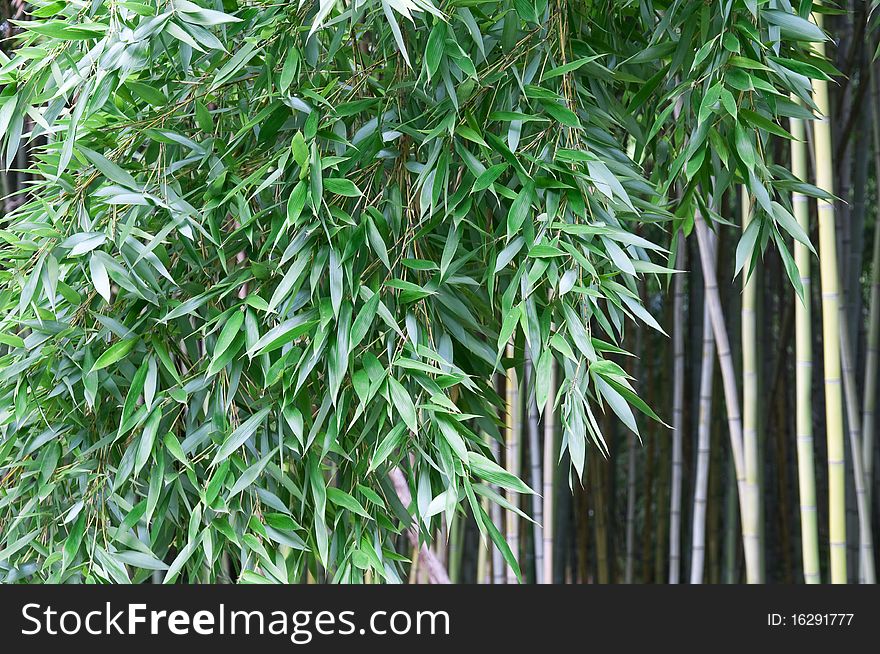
804	369
866	546
678	326
498	576
728	383
436	572
730	541
869	400
631	510
830	330
484	572
704	433
535	461
512	457
751	449
599	499
549	470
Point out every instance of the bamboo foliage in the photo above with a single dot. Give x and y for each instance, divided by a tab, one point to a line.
264	262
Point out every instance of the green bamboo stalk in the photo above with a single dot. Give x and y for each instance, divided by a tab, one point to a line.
679	327
751	449
803	370
830	330
704	432
456	538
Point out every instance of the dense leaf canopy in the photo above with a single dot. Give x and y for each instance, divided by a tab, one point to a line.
271	251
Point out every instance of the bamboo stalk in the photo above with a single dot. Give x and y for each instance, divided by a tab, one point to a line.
678	327
456	533
484	572
512	457
599	497
866	546
631	510
498	576
751	448
730	540
549	470
434	568
731	394
648	493
830	330
660	556
704	433
803	370
869	400
714	509
535	460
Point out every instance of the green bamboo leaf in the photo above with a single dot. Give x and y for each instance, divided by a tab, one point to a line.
391	442
240	435
114	353
493	473
340	498
100	279
793	25
569	67
343	187
227	335
140	560
403	403
148	437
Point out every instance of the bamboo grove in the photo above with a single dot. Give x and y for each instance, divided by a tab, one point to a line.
389	291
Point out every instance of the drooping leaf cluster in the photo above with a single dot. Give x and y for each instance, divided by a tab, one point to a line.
271	251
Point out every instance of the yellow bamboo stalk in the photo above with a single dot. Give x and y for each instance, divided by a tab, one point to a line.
830	330
751	449
512	458
803	370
